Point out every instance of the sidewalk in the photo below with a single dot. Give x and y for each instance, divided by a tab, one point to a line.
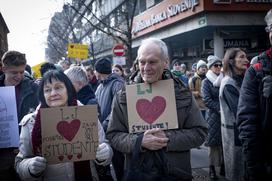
202	174
200	165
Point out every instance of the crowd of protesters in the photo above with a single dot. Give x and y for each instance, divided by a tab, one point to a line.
224	104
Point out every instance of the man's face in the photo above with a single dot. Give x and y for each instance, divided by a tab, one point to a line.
176	67
202	70
98	75
13	74
151	63
90	76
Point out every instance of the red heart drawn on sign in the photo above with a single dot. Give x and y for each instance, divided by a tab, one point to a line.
79	155
68	130
150	111
61	157
69	157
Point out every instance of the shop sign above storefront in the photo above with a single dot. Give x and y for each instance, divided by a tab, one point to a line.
170	11
229	43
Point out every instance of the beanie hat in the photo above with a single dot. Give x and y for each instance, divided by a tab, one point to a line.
175	61
200	63
103	66
212	59
268	18
194	66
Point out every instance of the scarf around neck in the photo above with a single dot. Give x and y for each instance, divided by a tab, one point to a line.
215	79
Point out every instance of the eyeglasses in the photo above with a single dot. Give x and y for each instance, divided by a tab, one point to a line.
217	65
268	29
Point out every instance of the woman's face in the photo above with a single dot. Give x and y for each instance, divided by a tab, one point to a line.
241	62
216	67
55	93
117	71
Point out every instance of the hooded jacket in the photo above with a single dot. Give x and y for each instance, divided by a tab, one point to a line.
104	95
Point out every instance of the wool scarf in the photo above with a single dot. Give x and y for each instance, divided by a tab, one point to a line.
215	79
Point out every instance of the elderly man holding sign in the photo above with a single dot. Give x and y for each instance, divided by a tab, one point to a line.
155	120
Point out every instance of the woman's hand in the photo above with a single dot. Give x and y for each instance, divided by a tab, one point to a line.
37	165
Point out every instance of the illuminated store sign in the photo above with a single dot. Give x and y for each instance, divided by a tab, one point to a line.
172	10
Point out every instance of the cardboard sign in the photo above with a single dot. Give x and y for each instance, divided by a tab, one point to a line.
69	133
78	51
151	106
9	129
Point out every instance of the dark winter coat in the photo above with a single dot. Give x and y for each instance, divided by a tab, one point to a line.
211	100
191	132
254	118
86	95
28	96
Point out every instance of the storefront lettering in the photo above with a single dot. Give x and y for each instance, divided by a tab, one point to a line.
244	43
172	10
183	6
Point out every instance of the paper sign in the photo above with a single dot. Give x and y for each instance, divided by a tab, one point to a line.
78	51
119	60
36	70
9	129
69	133
151	106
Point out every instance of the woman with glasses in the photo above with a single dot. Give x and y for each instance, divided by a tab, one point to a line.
235	65
210	92
56	90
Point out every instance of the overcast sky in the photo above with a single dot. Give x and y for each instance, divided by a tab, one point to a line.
28	22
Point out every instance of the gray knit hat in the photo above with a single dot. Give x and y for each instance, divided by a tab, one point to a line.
212	59
200	63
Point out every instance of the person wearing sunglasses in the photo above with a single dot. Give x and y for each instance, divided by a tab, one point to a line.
254	116
210	93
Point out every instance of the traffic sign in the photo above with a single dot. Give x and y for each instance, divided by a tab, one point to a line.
118	50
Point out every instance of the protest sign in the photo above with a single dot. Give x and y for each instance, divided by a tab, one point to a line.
69	133
9	128
151	106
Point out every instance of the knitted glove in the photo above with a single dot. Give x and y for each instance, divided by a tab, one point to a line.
103	152
37	165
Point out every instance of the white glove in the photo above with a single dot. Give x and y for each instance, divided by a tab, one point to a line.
103	152
37	165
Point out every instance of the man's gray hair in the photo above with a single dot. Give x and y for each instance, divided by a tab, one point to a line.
268	18
158	42
77	73
64	62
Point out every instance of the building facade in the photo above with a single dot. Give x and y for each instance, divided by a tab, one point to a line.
3	36
194	29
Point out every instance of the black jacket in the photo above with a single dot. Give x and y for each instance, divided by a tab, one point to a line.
254	119
28	96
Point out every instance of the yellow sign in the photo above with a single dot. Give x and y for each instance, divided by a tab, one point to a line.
78	51
36	70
